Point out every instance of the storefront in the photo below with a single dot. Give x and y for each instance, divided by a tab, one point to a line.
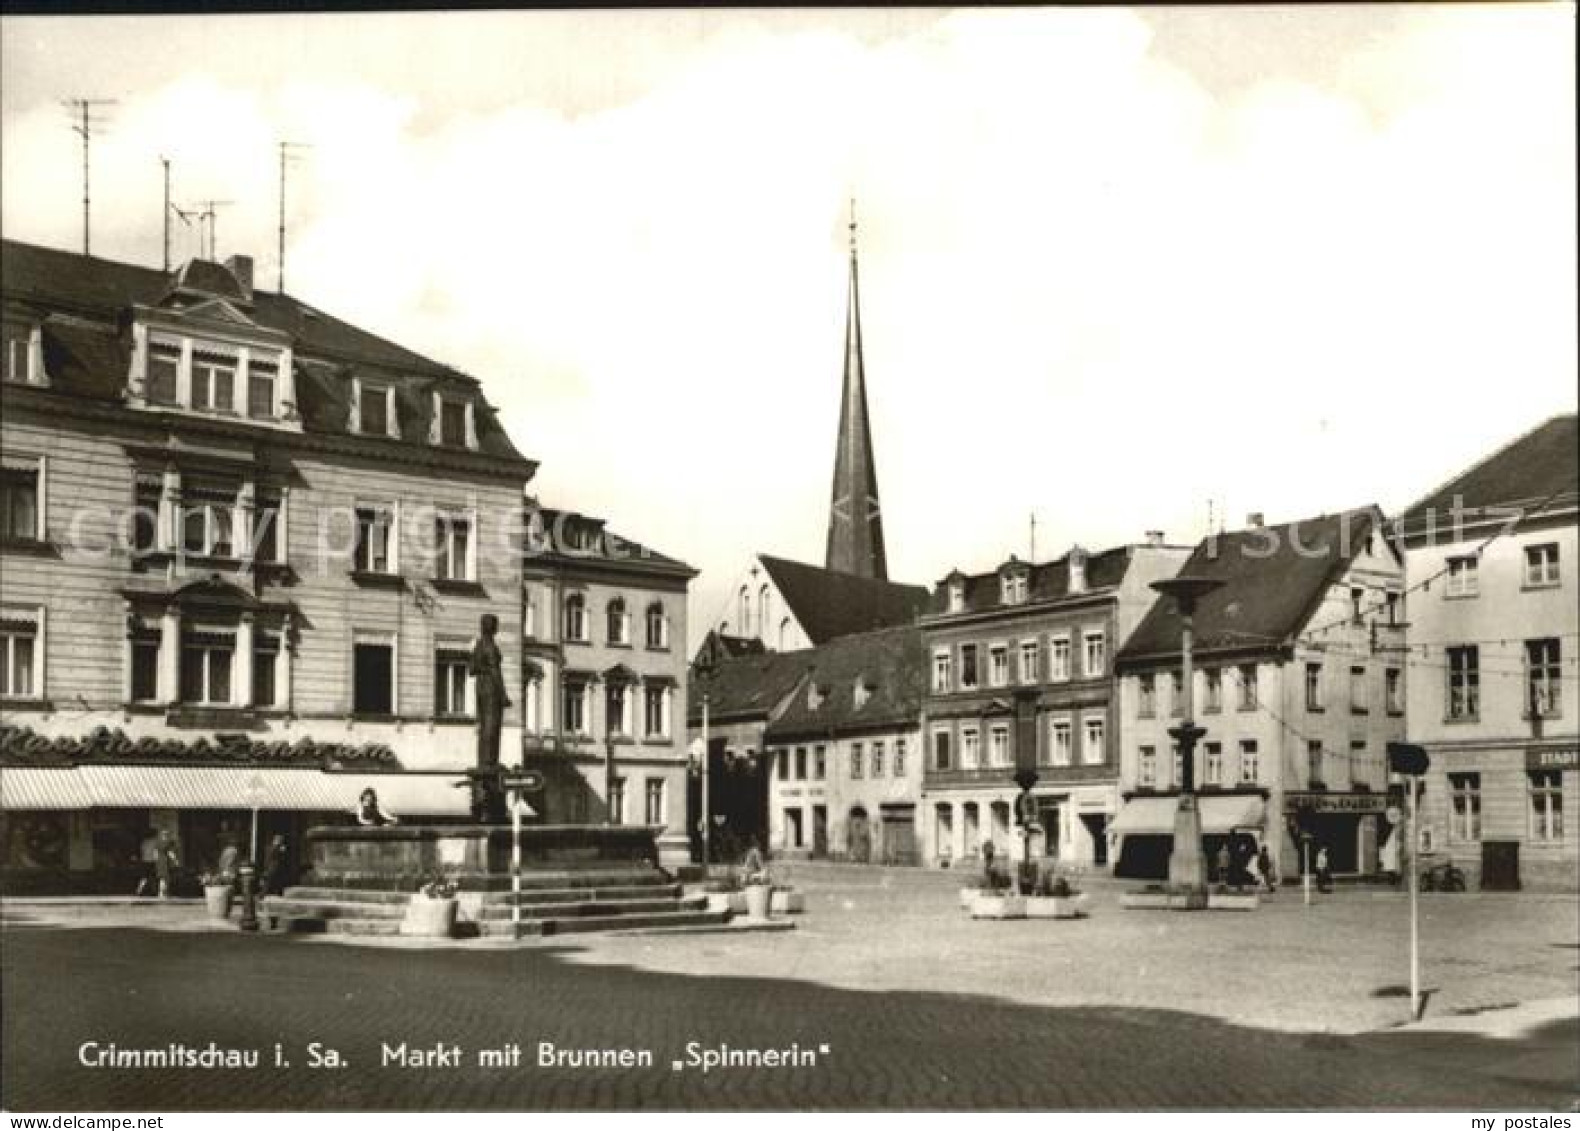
1145	828
1353	827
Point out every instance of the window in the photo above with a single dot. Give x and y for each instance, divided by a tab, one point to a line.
657	626
146	496
619	622
1096	654
1464	815
206	659
860	692
1214	681
941	759
1146	697
877	759
18	346
145	667
1012	588
1357	602
957	596
655	711
1061	741
968	665
213	382
207	525
793	829
1178	754
1059	657
1359	763
1464	682
576	617
268	541
1092	752
1148	762
998	665
1028	661
899	757
1249	769
573	706
1463	577
1541	565
260	390
450	695
941	670
1393	690
783	758
265	657
819	763
375	525
1543	670
376	409
655	801
20	514
373	678
969	748
1358	698
617	704
164	363
452	424
1314	774
800	763
856	755
1313	687
1547	805
998	748
1247	674
18	650
1214	760
452	535
617	801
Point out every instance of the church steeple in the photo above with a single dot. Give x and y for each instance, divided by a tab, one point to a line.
855	520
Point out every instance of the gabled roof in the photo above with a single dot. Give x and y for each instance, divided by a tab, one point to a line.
1274	579
750	687
830	604
84	304
1048	581
1543	465
717	646
890	663
556	535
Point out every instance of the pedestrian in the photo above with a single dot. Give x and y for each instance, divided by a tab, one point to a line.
1264	865
1223	863
1324	870
276	859
229	857
166	861
148	856
368	811
1252	867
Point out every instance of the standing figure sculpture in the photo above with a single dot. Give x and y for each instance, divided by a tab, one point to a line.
488	795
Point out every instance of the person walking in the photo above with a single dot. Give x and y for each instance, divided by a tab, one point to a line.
1264	865
1223	863
166	861
276	860
148	856
1324	870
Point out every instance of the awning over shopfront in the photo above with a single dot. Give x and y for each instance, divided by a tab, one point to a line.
1154	816
227	787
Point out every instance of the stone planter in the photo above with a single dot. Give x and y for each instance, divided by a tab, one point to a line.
429	918
758	897
1232	901
998	907
1144	900
787	901
217	897
1056	906
732	901
968	896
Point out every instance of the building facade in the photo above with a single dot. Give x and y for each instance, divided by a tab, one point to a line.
604	676
245	551
1020	673
1299	684
846	752
1494	694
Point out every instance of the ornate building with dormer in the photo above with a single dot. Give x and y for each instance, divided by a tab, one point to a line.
245	547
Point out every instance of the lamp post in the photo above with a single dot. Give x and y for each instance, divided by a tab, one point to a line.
1187	862
707	800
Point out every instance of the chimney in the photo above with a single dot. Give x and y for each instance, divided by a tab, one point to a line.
1154	538
241	267
1077	570
1254	520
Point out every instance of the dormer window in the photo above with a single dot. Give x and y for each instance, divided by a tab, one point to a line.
164	367
23	360
262	386
1012	587
861	693
957	594
373	409
814	696
213	382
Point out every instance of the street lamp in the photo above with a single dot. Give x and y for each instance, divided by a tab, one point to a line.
1187	862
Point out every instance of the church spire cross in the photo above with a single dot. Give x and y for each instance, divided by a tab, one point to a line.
855	520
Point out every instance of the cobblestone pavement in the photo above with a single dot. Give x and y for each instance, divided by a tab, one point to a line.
917	1007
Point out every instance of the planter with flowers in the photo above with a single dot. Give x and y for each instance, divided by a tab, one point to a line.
431	912
759	894
216	894
1055	898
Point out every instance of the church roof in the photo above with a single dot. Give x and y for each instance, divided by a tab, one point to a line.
829	604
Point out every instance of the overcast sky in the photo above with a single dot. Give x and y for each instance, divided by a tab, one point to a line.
1114	264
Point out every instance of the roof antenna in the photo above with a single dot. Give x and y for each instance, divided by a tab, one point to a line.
165	161
206	214
289	151
1033	557
83	111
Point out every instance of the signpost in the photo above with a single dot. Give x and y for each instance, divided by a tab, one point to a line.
518	783
1412	761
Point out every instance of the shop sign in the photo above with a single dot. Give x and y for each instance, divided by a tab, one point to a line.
1552	757
1336	802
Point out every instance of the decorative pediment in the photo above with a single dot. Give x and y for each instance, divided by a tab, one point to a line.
218	310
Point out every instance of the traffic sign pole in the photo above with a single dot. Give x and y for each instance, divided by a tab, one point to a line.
1415	914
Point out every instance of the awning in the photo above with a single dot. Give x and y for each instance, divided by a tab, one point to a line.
1155	815
228	787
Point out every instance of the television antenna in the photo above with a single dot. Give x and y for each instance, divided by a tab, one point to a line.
86	114
290	151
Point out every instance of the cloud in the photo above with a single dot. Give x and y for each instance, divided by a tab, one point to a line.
1097	283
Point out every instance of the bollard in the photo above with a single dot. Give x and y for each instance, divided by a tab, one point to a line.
247	874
